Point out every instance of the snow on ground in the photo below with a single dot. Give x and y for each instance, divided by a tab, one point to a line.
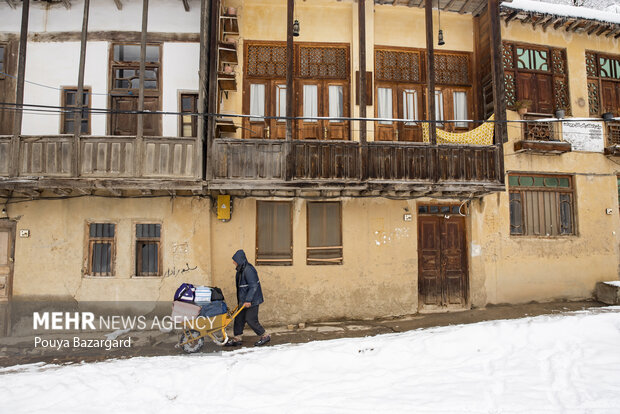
547	364
607	15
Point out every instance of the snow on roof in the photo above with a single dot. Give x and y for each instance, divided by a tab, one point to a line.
608	15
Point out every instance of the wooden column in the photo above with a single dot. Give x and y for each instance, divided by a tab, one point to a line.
19	94
361	24
290	95
212	82
499	95
200	171
430	72
77	126
140	133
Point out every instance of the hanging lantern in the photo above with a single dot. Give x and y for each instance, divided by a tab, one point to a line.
440	41
440	37
296	28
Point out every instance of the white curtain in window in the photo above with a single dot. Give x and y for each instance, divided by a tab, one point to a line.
311	102
460	108
439	105
384	110
257	101
410	105
280	101
336	102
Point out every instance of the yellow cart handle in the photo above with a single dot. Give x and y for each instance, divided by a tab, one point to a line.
236	311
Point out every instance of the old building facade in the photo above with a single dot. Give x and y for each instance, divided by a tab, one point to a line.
346	198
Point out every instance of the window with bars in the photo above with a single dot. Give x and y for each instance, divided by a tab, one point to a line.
541	205
189	123
2	59
71	112
274	233
324	233
148	251
101	249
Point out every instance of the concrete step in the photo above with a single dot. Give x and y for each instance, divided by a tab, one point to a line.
608	292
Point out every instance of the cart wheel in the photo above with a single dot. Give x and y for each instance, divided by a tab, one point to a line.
194	341
220	337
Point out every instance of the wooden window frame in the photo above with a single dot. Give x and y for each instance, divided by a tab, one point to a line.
156	240
63	103
90	241
114	92
194	123
274	262
442	209
323	261
5	47
516	71
598	80
276	129
520	190
618	182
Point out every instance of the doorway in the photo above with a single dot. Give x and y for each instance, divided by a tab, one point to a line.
7	243
443	278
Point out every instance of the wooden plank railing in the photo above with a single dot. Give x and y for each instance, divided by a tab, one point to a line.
325	160
400	161
248	159
48	156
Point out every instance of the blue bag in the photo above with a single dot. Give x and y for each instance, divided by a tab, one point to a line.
185	293
217	307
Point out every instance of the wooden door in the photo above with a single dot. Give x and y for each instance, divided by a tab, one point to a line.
442	262
256	97
277	127
611	97
7	243
127	123
410	106
310	104
526	89
544	94
336	104
386	106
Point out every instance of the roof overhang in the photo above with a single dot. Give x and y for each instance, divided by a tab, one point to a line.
473	7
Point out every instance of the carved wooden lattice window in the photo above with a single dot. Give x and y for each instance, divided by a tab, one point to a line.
538	74
266	61
603	83
398	66
323	62
452	69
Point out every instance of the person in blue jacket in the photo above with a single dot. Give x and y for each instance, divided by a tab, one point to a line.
250	296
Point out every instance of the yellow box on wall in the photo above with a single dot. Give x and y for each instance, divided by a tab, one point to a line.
223	207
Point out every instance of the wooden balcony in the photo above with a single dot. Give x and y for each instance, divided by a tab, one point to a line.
116	161
379	168
541	137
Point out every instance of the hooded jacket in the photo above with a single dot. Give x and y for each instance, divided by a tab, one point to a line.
248	285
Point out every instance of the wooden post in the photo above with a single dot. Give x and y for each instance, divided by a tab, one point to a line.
430	72
77	126
200	171
361	24
140	129
290	95
19	94
499	95
212	85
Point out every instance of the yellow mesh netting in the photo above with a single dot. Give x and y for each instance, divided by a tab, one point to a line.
483	135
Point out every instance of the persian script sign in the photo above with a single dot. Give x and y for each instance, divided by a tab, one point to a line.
584	136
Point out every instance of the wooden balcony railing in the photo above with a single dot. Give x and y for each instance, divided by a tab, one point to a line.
101	157
613	133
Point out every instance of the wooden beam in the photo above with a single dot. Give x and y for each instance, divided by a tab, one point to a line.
612	32
202	88
559	23
11	4
549	23
140	130
288	159
114	36
118	4
77	118
67	4
573	25
62	191
602	30
587	26
19	93
212	95
499	93
361	23
593	28
186	5
478	10
430	72
464	6
449	5
511	16
541	20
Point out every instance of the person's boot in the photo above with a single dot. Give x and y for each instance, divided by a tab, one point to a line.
234	341
263	340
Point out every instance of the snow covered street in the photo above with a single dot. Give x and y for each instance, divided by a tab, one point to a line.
560	364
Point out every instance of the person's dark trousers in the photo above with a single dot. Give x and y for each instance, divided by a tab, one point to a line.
249	316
